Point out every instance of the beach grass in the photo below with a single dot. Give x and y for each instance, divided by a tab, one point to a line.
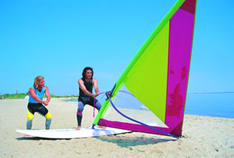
13	96
23	95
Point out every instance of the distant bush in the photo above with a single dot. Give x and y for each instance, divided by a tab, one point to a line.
64	96
13	96
23	95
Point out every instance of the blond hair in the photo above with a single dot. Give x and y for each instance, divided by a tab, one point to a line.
37	80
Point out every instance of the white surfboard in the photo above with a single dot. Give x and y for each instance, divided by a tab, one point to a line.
72	133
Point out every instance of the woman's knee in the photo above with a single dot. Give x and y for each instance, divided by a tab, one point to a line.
48	115
29	115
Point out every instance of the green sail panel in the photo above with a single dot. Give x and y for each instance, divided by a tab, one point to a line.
147	79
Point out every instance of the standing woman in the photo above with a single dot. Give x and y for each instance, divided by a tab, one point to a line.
36	102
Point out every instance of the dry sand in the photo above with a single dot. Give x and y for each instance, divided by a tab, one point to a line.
202	136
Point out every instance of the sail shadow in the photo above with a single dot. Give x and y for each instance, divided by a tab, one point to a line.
130	141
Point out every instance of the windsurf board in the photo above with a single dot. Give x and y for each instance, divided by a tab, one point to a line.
72	133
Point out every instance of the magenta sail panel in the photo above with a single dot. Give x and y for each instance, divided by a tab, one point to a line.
180	47
133	127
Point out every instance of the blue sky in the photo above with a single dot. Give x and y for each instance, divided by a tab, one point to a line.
57	39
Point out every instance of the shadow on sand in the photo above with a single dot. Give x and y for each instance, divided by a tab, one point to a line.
38	138
124	140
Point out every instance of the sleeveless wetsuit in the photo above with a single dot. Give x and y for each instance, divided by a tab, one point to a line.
34	106
85	99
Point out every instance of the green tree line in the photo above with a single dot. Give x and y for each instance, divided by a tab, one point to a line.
23	95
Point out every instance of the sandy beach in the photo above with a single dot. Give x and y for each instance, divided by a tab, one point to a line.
202	136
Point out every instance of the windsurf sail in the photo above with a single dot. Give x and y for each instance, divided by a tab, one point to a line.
150	95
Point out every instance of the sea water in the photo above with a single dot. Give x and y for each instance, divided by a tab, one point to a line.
206	104
210	104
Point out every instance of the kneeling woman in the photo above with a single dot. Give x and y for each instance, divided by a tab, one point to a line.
36	102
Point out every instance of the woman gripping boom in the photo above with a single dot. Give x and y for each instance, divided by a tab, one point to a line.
36	102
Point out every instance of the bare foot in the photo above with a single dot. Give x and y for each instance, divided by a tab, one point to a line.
78	128
103	127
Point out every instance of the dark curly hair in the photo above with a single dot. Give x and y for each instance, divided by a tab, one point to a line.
84	71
